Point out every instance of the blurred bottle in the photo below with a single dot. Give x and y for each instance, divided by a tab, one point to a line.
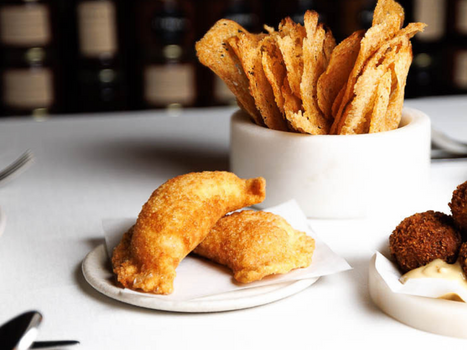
29	66
457	52
365	14
244	13
278	10
325	9
166	56
100	73
426	75
352	16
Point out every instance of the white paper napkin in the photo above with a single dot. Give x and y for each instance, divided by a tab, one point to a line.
425	287
198	277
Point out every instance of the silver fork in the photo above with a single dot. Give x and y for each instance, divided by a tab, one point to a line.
447	143
19	164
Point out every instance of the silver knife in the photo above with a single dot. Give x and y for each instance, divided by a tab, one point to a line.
53	344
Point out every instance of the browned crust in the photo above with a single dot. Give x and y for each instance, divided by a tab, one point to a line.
422	238
256	244
174	220
458	207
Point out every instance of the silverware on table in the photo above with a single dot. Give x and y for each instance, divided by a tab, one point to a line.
445	146
20	333
15	167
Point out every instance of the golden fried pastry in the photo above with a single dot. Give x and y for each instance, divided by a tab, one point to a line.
175	219
256	244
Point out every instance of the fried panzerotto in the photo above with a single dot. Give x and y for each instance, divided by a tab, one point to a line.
175	219
256	244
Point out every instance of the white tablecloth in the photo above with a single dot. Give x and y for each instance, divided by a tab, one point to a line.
91	167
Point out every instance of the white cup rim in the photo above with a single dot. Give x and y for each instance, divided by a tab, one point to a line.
411	118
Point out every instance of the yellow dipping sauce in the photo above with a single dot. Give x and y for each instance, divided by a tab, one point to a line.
439	269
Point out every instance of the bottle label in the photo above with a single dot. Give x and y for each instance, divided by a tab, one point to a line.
461	22
28	88
221	92
460	69
171	83
24	25
432	12
246	20
97	28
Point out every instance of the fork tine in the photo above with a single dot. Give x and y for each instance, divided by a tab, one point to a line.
14	167
19	163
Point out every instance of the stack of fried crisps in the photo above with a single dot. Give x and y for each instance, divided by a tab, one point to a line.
297	79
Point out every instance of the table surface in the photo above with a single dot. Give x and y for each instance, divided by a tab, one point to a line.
92	167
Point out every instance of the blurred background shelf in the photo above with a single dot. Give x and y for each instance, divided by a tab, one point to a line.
78	56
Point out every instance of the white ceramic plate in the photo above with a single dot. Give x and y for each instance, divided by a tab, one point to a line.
427	314
96	271
2	221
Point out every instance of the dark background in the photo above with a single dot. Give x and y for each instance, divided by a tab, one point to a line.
74	56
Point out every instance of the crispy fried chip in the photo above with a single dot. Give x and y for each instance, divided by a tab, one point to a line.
378	122
410	30
290	41
402	36
314	63
337	102
269	29
331	82
248	49
274	69
292	105
214	52
400	72
329	44
387	21
388	8
355	119
295	78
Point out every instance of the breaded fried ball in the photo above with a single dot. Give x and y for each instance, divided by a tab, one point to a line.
424	237
463	257
458	207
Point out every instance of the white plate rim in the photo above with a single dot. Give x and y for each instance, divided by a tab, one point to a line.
431	315
96	272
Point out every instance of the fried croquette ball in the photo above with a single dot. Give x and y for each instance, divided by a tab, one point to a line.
463	257
458	207
422	238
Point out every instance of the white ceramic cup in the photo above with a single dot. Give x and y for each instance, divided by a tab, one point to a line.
336	176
